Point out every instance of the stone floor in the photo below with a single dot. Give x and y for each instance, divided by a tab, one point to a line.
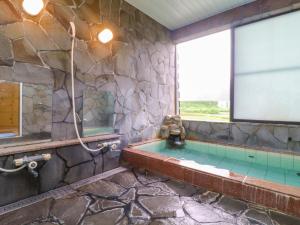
137	197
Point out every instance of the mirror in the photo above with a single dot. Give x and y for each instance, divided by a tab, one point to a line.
98	113
25	112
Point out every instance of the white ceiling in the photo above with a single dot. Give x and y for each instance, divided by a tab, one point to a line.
175	14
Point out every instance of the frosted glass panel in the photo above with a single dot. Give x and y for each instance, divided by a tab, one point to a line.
267	70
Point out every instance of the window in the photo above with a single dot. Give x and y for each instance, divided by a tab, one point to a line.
9	109
267	70
204	77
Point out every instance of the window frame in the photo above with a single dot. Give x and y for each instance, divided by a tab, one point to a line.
177	84
232	75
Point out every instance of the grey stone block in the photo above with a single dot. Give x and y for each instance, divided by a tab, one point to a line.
57	59
61	105
266	138
99	164
56	31
16	186
111	160
32	74
6	56
24	52
80	172
74	155
281	133
294	133
37	37
51	174
238	136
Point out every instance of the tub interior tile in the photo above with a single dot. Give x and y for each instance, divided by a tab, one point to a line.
275	174
229	153
297	163
225	164
258	171
241	167
251	155
220	151
262	158
238	154
274	160
287	161
213	149
292	178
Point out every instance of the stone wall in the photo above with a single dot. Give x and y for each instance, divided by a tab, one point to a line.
68	164
137	67
280	137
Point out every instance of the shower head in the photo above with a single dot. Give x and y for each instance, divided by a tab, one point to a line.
73	29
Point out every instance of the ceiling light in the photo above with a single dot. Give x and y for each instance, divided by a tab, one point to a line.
105	36
33	7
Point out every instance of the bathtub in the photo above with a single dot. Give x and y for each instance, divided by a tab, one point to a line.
260	176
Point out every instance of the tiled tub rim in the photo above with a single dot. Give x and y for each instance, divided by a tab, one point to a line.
277	196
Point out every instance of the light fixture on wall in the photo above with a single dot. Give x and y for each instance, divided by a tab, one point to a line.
33	7
105	36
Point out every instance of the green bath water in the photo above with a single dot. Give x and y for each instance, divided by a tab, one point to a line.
275	167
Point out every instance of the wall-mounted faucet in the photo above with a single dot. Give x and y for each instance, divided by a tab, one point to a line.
30	162
112	145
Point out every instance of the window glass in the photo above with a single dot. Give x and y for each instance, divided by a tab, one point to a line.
267	70
204	77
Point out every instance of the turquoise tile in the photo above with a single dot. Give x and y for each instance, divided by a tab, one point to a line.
206	148
213	149
291	178
239	154
287	161
275	175
225	164
241	167
191	146
229	153
251	155
262	158
296	163
213	161
258	171
274	160
221	151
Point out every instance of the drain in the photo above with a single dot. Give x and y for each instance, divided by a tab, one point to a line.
251	156
298	174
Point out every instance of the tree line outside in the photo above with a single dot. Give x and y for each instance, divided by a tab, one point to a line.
205	110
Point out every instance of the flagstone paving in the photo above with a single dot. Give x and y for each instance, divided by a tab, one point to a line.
137	197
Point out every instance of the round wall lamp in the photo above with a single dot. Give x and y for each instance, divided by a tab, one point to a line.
105	36
33	7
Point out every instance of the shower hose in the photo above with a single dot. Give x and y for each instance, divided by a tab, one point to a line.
12	170
73	107
73	93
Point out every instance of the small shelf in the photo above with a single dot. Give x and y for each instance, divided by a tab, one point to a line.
32	147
